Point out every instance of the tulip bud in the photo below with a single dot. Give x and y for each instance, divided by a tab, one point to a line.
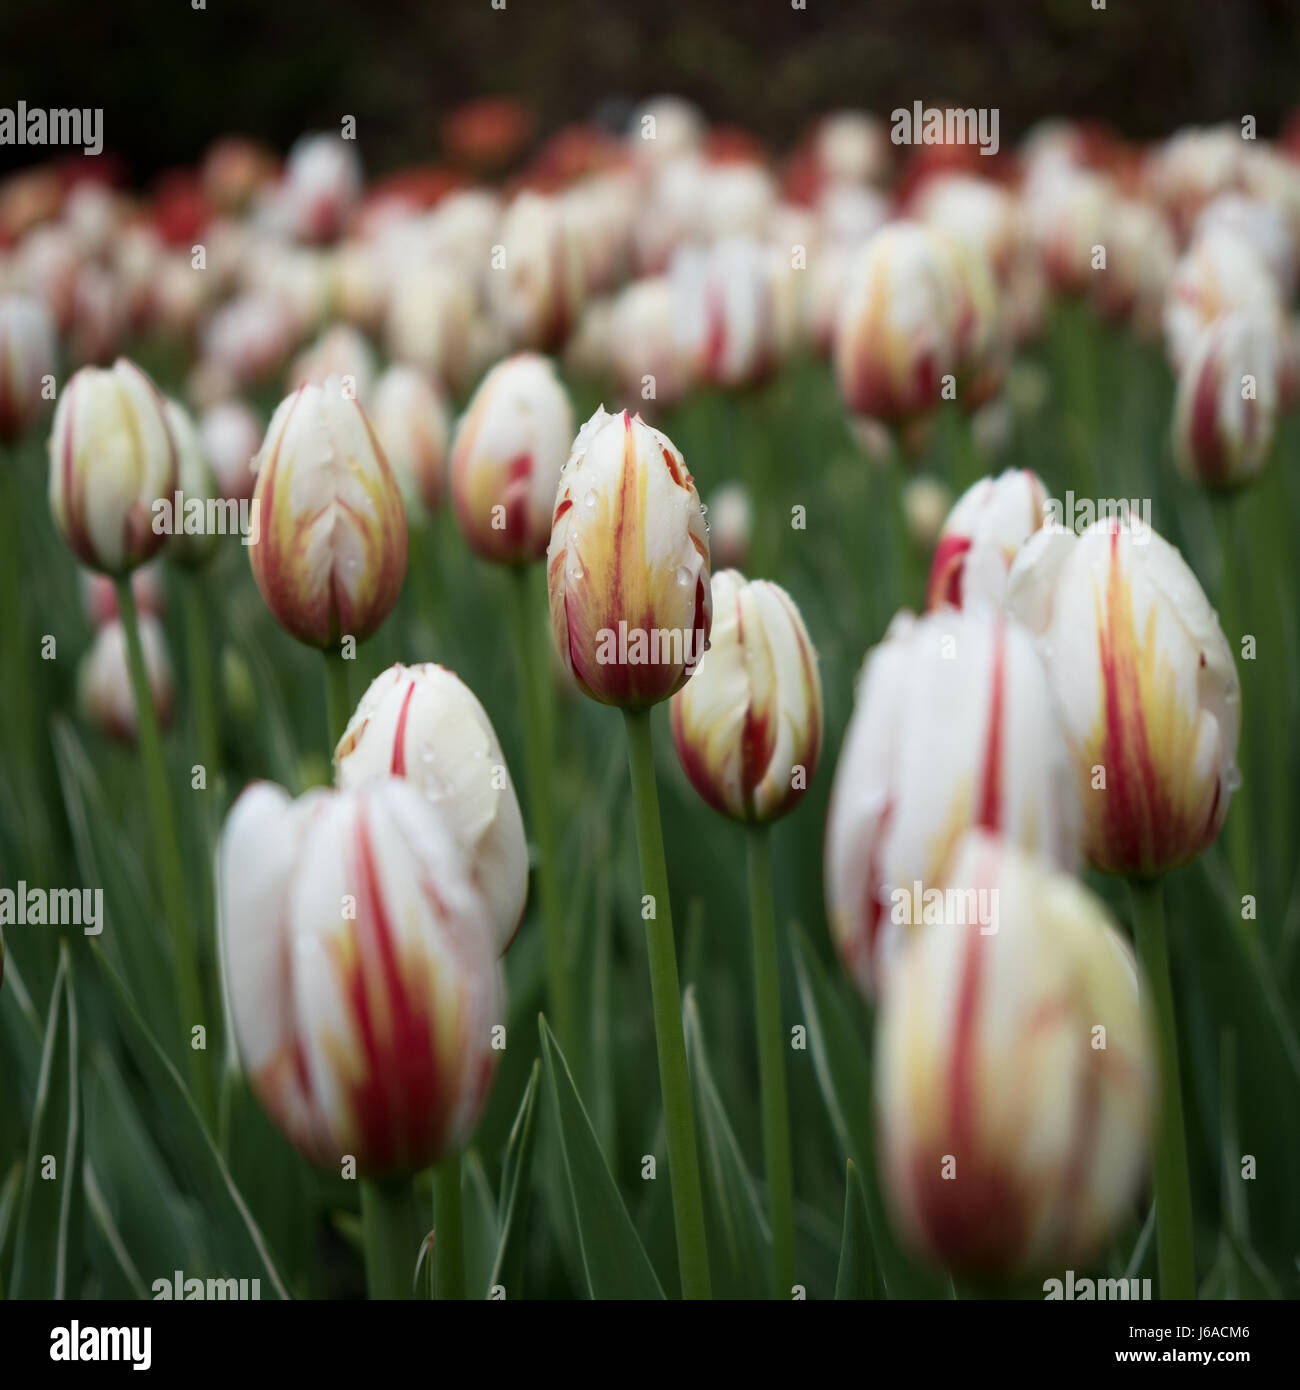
649	360
112	456
1014	1073
509	448
953	727
896	336
1226	407
1220	274
231	435
26	359
339	351
425	724
926	503
731	526
410	420
538	291
99	594
1146	686
628	564
993	518
851	147
664	129
196	482
726	311
104	692
360	973
322	182
430	322
748	728
1069	211
330	554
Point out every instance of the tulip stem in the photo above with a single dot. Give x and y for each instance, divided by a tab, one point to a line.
539	755
338	707
449	1228
202	689
771	1061
1173	1187
162	818
674	1081
390	1223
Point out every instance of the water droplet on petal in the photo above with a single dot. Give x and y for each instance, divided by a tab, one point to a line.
683	576
575	573
589	501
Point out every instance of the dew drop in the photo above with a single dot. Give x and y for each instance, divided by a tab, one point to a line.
589	501
683	576
575	573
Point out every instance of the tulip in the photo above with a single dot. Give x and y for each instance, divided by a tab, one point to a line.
340	351
506	458
649	359
628	576
99	594
430	323
248	338
1139	266
1193	167
979	214
993	518
1220	274
112	455
322	183
953	727
363	988
732	524
424	723
26	360
104	693
1014	1073
1146	687
231	435
738	201
748	731
726	311
1226	406
539	289
410	419
665	129
926	504
1151	708
330	555
748	728
628	564
1069	212
851	147
897	333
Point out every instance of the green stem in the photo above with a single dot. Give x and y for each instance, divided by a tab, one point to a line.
679	1120
202	686
390	1225
338	705
1173	1186
449	1227
771	1061
162	818
539	754
1237	828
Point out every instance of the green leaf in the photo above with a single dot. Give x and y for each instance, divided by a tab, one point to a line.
613	1257
235	1232
47	1260
482	1235
844	1076
739	1240
516	1191
854	1278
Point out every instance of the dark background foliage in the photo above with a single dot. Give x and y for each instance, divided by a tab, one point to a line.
171	78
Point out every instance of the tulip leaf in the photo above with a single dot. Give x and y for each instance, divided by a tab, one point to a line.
516	1192
854	1278
114	1257
739	1240
844	1075
48	1254
482	1232
613	1258
191	1148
